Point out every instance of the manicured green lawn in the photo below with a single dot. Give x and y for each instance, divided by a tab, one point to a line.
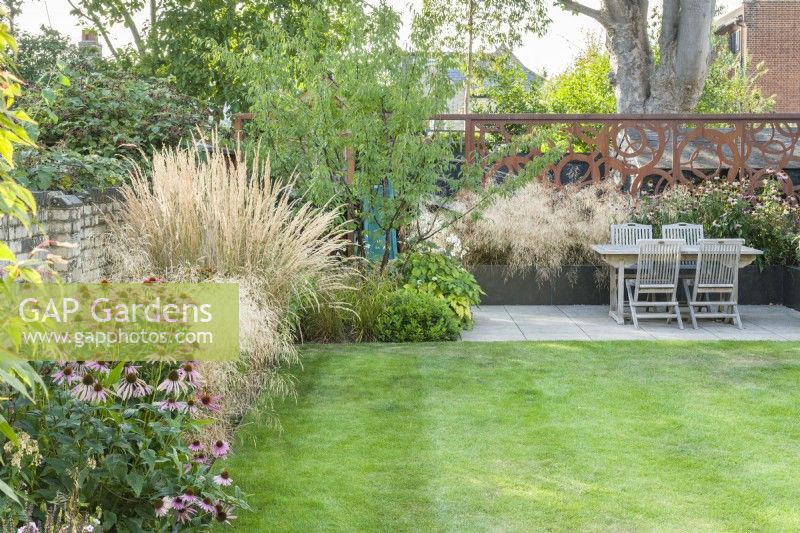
531	436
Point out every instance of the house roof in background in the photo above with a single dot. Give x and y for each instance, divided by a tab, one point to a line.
725	23
457	76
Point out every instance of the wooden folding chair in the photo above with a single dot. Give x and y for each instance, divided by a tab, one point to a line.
691	234
657	269
717	273
629	234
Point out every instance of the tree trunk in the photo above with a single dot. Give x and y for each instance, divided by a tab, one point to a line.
674	83
631	55
685	54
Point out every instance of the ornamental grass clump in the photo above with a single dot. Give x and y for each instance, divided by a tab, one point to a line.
544	227
206	217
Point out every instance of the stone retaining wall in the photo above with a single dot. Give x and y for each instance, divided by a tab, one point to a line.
80	219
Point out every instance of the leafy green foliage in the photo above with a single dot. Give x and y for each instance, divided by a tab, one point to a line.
17	203
107	111
765	220
442	276
585	87
92	114
473	29
122	454
351	315
417	316
40	54
506	87
65	169
729	88
314	100
190	33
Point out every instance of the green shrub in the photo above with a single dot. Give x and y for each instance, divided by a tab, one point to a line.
765	220
416	316
441	275
106	110
68	170
354	315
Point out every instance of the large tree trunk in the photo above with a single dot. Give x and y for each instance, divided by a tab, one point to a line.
674	83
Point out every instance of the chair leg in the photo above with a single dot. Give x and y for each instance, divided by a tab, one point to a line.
633	307
692	316
678	314
738	319
686	289
692	312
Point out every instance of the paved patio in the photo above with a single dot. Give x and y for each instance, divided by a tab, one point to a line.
590	322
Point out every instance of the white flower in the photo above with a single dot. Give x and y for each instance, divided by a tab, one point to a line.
30	527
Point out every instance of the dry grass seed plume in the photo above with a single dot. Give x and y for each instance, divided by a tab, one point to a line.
544	227
198	217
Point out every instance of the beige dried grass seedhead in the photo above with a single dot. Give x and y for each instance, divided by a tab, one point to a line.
544	227
203	217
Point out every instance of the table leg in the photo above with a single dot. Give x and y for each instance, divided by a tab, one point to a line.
617	293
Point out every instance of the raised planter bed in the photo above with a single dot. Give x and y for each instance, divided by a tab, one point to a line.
588	285
791	287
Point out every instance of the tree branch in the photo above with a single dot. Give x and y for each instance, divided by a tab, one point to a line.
131	25
97	24
577	7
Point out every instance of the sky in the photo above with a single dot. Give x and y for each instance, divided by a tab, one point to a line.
551	53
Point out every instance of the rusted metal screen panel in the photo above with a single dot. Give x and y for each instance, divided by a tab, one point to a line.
641	153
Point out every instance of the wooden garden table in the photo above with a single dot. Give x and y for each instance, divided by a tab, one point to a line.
619	256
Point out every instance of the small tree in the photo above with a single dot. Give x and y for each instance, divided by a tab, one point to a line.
583	88
364	100
731	87
472	28
506	87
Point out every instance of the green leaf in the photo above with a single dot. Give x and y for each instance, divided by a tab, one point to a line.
136	482
114	375
8	431
6	254
8	491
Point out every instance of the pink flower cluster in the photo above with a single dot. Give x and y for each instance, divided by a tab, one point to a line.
218	450
83	378
186	505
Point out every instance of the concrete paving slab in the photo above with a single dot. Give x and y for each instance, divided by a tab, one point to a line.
587	322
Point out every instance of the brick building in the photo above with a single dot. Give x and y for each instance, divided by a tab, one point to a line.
767	31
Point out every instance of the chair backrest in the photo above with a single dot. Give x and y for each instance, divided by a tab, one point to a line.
718	263
691	233
658	263
629	234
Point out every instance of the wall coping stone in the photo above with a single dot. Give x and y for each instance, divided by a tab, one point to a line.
66	200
